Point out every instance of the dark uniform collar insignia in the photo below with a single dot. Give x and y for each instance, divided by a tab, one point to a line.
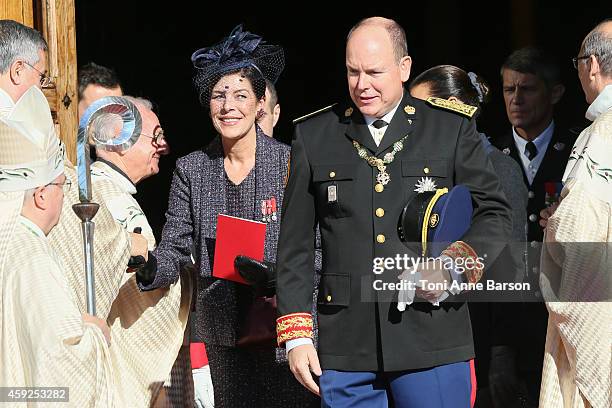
559	146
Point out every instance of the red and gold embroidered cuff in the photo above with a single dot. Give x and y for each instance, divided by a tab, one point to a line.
469	260
293	326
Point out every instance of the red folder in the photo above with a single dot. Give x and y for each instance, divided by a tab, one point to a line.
236	236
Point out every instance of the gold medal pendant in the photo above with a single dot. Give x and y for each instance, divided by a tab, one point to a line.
383	177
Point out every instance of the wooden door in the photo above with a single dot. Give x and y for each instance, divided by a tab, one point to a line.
55	20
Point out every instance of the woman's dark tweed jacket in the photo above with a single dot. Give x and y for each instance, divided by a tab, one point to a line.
197	196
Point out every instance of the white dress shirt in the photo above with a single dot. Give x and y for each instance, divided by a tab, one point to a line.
531	166
377	134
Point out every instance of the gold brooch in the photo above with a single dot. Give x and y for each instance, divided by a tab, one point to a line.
348	112
410	110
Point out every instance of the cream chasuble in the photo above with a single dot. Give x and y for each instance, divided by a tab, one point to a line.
576	270
147	328
44	341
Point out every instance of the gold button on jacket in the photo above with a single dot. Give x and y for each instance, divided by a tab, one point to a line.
380	212
353	235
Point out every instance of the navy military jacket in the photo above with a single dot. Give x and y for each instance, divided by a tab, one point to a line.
531	347
361	329
550	171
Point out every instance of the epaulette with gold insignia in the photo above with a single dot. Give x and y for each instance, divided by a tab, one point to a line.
302	118
462	108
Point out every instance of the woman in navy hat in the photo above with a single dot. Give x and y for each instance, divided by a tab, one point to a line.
240	173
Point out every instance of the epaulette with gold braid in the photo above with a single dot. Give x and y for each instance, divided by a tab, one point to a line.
302	118
461	108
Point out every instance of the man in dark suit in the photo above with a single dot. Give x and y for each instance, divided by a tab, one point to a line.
531	87
353	168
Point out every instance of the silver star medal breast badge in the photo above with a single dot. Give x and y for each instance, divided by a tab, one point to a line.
425	184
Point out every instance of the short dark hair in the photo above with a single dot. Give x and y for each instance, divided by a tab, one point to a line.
94	74
445	81
395	31
273	93
531	60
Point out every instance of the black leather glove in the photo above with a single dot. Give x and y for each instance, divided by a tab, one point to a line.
504	384
260	274
145	271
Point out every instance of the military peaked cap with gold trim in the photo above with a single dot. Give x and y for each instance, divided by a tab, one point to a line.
435	218
461	108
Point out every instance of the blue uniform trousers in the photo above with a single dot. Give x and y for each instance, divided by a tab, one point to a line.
447	386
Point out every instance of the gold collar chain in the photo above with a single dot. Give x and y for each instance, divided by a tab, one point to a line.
382	177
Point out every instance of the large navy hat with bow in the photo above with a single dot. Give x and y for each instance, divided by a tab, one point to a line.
241	49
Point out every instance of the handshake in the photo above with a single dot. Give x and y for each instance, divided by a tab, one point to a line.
260	274
142	261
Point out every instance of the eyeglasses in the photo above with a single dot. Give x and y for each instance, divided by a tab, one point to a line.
580	57
64	186
45	80
158	135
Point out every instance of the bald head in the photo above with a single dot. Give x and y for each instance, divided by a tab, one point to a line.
395	32
599	44
375	74
605	26
594	61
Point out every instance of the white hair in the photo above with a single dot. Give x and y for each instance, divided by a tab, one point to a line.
19	41
599	43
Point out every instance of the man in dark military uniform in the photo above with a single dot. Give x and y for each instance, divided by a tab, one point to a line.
532	87
353	168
